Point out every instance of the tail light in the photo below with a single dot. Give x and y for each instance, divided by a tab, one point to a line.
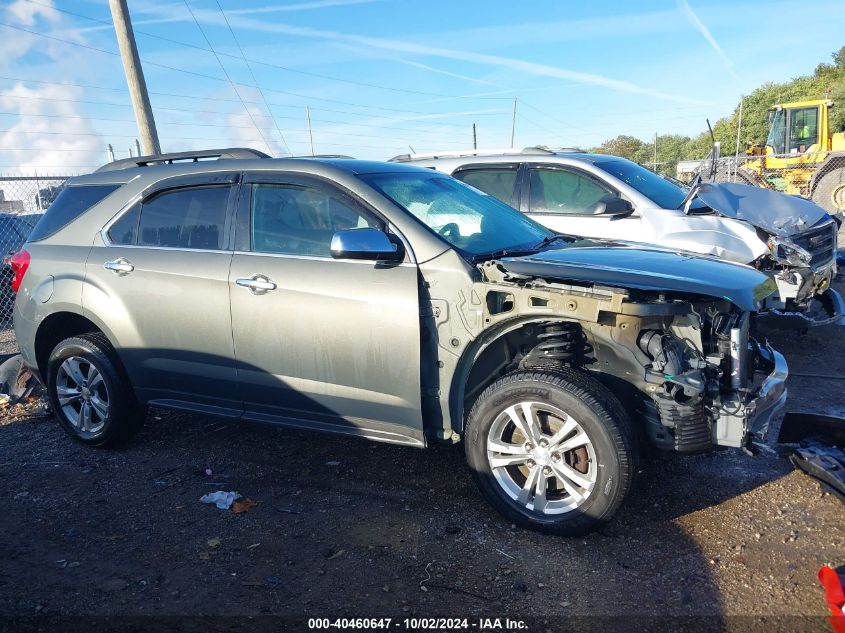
19	264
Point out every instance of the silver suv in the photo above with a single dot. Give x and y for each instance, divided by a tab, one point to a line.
599	196
394	303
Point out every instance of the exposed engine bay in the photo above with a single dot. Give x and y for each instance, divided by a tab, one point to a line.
685	364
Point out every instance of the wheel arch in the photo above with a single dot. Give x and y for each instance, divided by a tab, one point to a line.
482	361
60	325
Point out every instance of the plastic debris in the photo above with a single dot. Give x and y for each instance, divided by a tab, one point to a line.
214	542
222	499
16	381
834	587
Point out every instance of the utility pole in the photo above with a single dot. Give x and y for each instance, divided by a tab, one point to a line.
134	76
655	152
310	135
738	137
474	138
513	123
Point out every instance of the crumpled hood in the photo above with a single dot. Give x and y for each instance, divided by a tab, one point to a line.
647	269
772	211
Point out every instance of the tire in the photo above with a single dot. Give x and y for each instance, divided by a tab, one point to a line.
829	193
604	466
87	365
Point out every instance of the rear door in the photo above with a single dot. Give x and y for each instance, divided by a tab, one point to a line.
498	180
321	343
159	281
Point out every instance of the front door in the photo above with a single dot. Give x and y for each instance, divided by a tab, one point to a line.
320	342
563	199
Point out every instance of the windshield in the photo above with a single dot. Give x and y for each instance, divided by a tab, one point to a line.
467	218
664	193
777	133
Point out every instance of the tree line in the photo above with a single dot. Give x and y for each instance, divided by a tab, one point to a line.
827	81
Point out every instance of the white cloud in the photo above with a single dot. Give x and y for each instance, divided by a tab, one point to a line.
705	32
406	46
57	143
45	132
476	80
26	13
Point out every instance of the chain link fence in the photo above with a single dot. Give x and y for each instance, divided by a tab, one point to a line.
23	200
819	177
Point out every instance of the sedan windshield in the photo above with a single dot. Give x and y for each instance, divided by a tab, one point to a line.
663	192
470	220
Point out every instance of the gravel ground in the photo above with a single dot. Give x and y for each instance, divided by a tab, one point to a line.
344	527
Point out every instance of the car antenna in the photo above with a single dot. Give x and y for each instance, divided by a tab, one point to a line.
714	152
412	149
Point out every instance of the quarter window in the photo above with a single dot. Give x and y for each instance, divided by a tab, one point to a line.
192	218
298	220
124	231
563	191
498	182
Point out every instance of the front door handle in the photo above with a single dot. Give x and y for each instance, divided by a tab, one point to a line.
119	266
257	284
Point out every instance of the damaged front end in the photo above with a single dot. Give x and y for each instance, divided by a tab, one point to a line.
726	390
803	265
801	242
683	360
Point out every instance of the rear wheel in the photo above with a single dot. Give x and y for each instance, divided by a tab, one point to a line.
829	193
90	397
551	450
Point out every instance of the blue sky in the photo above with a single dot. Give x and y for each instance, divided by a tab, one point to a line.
382	75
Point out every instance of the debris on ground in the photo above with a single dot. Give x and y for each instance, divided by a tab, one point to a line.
834	593
221	498
243	505
16	381
824	462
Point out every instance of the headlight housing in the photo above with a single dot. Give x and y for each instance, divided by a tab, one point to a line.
784	251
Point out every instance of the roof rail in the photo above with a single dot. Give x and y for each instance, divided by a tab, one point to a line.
229	153
338	156
537	149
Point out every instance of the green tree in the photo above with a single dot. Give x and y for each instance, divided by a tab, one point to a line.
827	81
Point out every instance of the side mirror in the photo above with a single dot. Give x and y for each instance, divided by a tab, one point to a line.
612	205
370	244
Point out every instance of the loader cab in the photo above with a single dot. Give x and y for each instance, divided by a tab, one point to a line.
798	128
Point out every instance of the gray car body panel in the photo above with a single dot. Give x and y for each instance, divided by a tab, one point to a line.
629	267
372	349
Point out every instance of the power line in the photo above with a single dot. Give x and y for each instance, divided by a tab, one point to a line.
271	65
451	127
254	79
225	72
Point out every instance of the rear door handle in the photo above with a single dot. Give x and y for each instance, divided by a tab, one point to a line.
119	266
257	284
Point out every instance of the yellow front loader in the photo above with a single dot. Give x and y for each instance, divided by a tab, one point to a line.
802	156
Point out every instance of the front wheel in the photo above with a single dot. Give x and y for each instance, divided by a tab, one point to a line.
829	193
551	450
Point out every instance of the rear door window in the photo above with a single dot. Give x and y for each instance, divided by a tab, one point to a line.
72	202
563	191
190	218
498	182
